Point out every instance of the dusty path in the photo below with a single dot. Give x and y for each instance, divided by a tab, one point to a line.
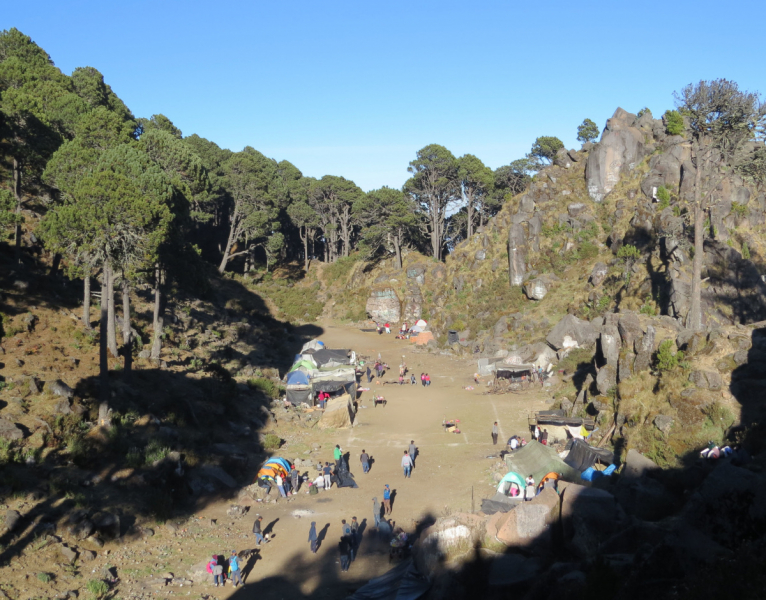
448	467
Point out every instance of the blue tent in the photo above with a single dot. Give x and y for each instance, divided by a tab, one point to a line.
297	378
280	461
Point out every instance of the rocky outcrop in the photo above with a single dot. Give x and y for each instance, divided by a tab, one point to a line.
536	289
571	332
517	254
384	305
619	151
413	304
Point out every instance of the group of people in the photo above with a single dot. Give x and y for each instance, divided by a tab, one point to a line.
380	329
425	379
219	573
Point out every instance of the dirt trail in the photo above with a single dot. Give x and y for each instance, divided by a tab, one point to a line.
447	467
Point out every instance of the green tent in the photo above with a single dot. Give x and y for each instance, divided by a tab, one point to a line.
309	366
505	483
537	460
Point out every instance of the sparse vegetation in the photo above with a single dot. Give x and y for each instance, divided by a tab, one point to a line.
666	359
97	588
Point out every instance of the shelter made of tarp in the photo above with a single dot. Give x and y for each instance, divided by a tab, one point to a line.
403	582
537	460
338	413
332	358
581	456
500	503
312	345
299	395
503	371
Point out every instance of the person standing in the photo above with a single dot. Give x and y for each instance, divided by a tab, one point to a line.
280	485
544	437
295	479
376	511
365	460
369	374
313	538
327	473
412	379
412	451
529	492
344	547
211	568
387	500
234	573
257	530
495	433
406	465
428	380
345	528
423	379
337	455
354	537
388	327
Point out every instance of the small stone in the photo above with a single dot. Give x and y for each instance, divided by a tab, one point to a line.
87	555
67	553
12	520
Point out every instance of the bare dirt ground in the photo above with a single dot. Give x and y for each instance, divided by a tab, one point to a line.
451	470
449	467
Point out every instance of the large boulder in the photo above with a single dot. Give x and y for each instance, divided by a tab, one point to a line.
525	525
445	537
384	305
58	388
706	380
609	343
620	149
630	329
413	304
589	516
571	332
517	254
598	274
9	431
606	379
536	289
644	350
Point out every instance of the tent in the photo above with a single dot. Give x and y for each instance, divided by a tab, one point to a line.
504	371
282	461
582	456
416	329
298	377
312	345
510	478
338	413
421	323
332	358
537	460
303	364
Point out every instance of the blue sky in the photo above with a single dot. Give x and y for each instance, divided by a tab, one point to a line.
356	88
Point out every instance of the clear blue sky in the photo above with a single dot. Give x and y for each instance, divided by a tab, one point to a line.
355	88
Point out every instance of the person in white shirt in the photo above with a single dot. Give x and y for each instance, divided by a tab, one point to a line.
407	464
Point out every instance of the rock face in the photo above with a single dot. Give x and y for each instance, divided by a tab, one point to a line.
413	304
59	388
644	350
526	524
535	289
383	305
571	332
517	254
598	274
706	380
606	379
9	431
620	149
609	342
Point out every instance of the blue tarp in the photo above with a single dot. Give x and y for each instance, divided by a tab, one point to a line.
297	378
591	474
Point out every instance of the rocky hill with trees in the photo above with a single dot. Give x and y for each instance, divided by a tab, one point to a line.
633	265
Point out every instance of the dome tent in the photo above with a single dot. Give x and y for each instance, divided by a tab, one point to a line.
511	478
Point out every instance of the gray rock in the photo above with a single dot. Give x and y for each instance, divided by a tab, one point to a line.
621	148
108	525
589	515
88	555
527	204
664	423
637	465
625	367
67	553
83	529
384	305
575	209
501	327
59	388
480	254
571	332
609	342
598	274
145	354
630	329
62	407
517	254
644	350
562	159
706	380
606	378
536	289
12	520
9	431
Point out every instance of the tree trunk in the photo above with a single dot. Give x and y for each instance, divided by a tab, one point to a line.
55	265
158	320
104	413
694	317
111	330
17	196
396	241
469	211
306	249
229	242
86	301
127	338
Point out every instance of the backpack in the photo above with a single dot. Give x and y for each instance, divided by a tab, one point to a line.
218	570
233	564
211	566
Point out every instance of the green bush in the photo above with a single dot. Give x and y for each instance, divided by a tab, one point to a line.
587	250
271	442
134	458
45	577
267	387
338	271
739	210
745	251
674	122
155	451
97	588
663	195
667	360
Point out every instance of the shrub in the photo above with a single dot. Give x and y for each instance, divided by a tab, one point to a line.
134	458
667	360
155	451
45	577
674	122
643	111
663	195
271	442
745	251
267	387
739	210
338	271
97	588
